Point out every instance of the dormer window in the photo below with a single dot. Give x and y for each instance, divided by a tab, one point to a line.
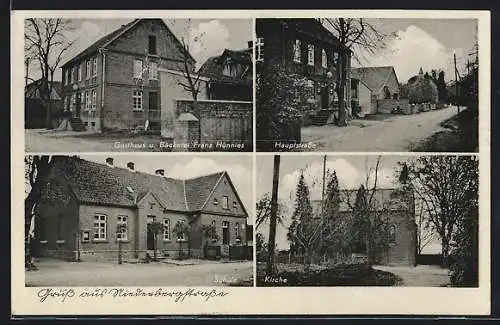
152	44
227	68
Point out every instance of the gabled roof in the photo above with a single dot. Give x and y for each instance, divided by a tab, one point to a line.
109	38
375	78
99	184
313	28
213	67
31	90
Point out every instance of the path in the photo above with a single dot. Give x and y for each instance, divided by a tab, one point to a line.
393	133
419	276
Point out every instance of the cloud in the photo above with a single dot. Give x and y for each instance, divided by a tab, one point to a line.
207	40
84	35
240	175
414	48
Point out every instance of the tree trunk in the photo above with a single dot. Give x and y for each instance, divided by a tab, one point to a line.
445	249
342	121
274	211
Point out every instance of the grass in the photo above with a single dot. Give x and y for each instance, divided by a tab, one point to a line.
460	134
338	275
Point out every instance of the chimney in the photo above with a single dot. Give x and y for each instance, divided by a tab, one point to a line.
250	44
109	162
160	172
130	166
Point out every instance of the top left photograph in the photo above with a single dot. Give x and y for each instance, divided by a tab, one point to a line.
152	85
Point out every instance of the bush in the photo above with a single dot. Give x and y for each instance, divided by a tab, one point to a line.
339	275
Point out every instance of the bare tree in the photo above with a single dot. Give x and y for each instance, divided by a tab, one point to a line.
263	208
446	186
46	43
425	235
355	35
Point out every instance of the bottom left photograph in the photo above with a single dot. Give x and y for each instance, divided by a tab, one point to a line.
138	220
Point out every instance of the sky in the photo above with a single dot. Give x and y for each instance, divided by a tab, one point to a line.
239	168
215	36
351	173
426	43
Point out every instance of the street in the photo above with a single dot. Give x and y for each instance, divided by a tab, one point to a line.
385	133
207	273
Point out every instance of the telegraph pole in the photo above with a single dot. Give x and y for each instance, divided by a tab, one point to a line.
26	65
274	212
456	81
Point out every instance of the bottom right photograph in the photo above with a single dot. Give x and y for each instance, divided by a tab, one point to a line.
366	220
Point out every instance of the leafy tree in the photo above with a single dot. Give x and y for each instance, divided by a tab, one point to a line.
45	43
181	230
447	188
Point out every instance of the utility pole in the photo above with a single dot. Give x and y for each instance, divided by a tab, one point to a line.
456	82
274	211
26	65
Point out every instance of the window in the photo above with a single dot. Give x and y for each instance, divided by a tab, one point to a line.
227	69
153	71
181	236
310	54
66	102
94	99
87	70
85	236
225	232
296	51
87	100
392	234
152	44
66	75
137	69
72	76
259	49
237	229
214	229
137	100
324	59
60	227
122	228
80	71
216	202
100	227
235	205
94	67
166	229
225	202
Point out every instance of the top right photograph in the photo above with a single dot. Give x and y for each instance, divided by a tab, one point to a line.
367	85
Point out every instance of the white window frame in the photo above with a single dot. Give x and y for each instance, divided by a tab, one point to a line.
225	225
237	229
66	82
153	71
324	59
72	77
225	202
80	71
87	70
88	103
297	54
100	227
137	100
137	69
94	67
166	229
123	236
259	49
310	54
94	100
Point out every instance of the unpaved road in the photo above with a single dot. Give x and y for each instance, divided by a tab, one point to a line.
394	133
419	276
61	273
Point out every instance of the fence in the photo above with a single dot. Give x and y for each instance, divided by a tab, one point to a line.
224	124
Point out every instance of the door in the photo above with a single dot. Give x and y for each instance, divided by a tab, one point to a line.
225	238
154	112
150	242
324	97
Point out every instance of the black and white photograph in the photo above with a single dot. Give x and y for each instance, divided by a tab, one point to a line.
129	220
367	84
99	85
367	221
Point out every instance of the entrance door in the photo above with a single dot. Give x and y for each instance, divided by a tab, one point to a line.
324	97
154	112
150	242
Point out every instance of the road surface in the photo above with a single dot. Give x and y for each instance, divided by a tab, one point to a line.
61	273
392	133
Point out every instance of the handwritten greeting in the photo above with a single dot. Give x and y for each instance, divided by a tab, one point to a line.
66	294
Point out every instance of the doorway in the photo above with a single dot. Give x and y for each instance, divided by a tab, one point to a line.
150	241
324	97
